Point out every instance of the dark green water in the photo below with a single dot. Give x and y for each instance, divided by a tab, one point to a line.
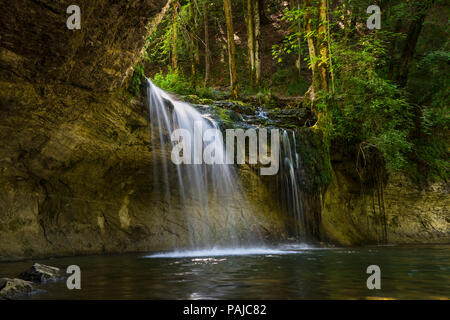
413	272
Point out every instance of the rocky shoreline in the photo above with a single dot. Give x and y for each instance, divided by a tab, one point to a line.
29	281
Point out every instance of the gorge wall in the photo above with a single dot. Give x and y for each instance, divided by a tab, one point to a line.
76	157
37	46
395	212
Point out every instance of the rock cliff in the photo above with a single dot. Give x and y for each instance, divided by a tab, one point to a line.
397	212
76	158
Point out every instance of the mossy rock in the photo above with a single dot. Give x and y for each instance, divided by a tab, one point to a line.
194	99
236	106
226	118
315	156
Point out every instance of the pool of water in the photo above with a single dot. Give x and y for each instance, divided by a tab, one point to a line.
282	272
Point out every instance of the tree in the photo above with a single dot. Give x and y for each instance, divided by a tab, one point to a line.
296	5
231	48
193	47
257	30
322	44
316	22
253	14
309	16
174	39
207	49
251	41
415	28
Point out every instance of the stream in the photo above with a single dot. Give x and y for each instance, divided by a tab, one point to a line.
281	272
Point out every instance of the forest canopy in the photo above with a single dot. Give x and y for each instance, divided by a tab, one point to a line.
380	94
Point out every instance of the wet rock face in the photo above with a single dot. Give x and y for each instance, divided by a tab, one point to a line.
76	160
244	115
77	176
400	213
40	273
37	45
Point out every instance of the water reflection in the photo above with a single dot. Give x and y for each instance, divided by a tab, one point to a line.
406	272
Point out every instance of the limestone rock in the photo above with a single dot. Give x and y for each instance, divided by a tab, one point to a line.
40	273
76	156
352	216
78	176
37	45
9	288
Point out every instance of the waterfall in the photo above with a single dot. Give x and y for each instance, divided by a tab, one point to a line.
215	208
291	193
216	211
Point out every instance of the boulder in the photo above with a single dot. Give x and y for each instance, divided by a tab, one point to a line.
40	273
12	287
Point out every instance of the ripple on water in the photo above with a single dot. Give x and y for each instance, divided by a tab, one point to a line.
216	252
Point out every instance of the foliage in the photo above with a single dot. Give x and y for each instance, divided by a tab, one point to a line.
224	117
211	93
290	44
370	110
433	99
364	107
314	151
174	82
137	79
287	82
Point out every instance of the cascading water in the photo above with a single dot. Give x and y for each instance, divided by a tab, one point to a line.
290	172
211	197
215	208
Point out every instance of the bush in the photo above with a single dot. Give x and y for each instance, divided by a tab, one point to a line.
137	80
174	82
371	110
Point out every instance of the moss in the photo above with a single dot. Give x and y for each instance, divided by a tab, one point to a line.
206	101
315	156
239	103
137	80
225	117
192	98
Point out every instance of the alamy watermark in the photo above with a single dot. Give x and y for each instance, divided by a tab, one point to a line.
374	281
189	150
74	280
74	20
374	21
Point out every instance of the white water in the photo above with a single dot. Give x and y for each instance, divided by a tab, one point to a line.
218	252
291	193
215	207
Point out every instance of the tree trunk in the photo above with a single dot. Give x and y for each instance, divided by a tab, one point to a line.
350	20
329	48
196	28
174	36
411	41
296	4
322	45
392	49
250	41
315	85
192	46
257	28
262	17
231	48
298	64
207	49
